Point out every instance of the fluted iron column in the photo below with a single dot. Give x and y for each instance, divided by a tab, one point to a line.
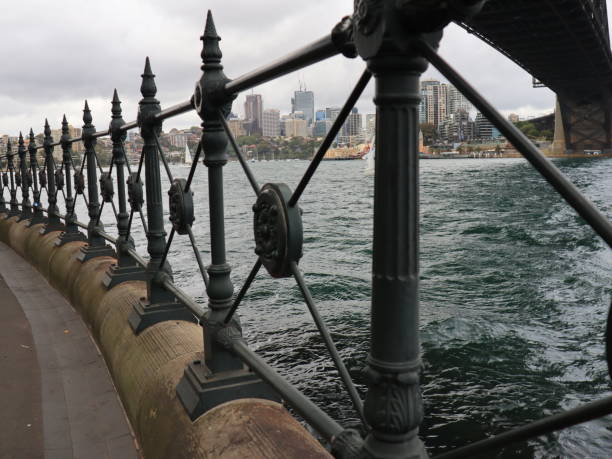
126	268
96	246
26	205
37	213
53	220
72	232
385	34
160	304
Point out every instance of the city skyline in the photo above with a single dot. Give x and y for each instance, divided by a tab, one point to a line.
44	80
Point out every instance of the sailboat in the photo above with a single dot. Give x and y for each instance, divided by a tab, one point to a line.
187	160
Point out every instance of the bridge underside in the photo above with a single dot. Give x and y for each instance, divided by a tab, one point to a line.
565	44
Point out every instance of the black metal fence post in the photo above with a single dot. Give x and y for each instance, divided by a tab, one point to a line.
96	246
54	222
14	209
26	205
393	406
37	213
160	304
72	232
231	377
126	268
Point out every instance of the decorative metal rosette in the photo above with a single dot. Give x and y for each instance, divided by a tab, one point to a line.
180	206
5	179
106	187
135	195
59	179
18	179
79	182
42	178
278	229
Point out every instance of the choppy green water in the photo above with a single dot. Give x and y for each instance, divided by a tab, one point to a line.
514	295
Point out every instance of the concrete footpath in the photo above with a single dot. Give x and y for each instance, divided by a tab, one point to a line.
57	399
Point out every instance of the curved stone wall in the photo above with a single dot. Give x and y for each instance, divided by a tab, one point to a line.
147	367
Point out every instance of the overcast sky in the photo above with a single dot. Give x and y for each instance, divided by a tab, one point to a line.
56	54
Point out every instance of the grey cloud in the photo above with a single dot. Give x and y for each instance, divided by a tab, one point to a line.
55	57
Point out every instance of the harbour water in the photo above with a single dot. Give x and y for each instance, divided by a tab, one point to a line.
514	294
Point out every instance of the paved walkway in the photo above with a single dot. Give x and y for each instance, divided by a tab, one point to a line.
57	399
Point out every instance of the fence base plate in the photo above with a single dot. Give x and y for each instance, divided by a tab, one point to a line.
145	314
88	252
199	390
118	274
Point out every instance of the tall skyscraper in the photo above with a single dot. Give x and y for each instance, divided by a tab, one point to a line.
253	113
271	123
457	102
303	101
434	102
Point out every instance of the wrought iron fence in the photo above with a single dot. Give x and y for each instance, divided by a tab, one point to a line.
396	39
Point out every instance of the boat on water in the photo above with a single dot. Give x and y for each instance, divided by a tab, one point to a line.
187	158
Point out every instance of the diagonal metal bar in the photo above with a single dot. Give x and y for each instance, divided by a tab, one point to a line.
97	162
543	165
129	226
115	210
329	343
167	249
196	252
144	221
163	158
100	212
243	290
194	164
243	163
544	426
331	135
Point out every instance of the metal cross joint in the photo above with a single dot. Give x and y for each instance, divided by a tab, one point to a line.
342	37
227	335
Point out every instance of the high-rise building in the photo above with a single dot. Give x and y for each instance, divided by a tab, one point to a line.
303	101
271	123
253	113
434	102
456	101
352	129
320	115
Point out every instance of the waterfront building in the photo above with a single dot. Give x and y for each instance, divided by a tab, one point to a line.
352	129
303	101
485	129
271	123
294	127
457	128
320	115
513	118
237	127
331	113
253	113
321	128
